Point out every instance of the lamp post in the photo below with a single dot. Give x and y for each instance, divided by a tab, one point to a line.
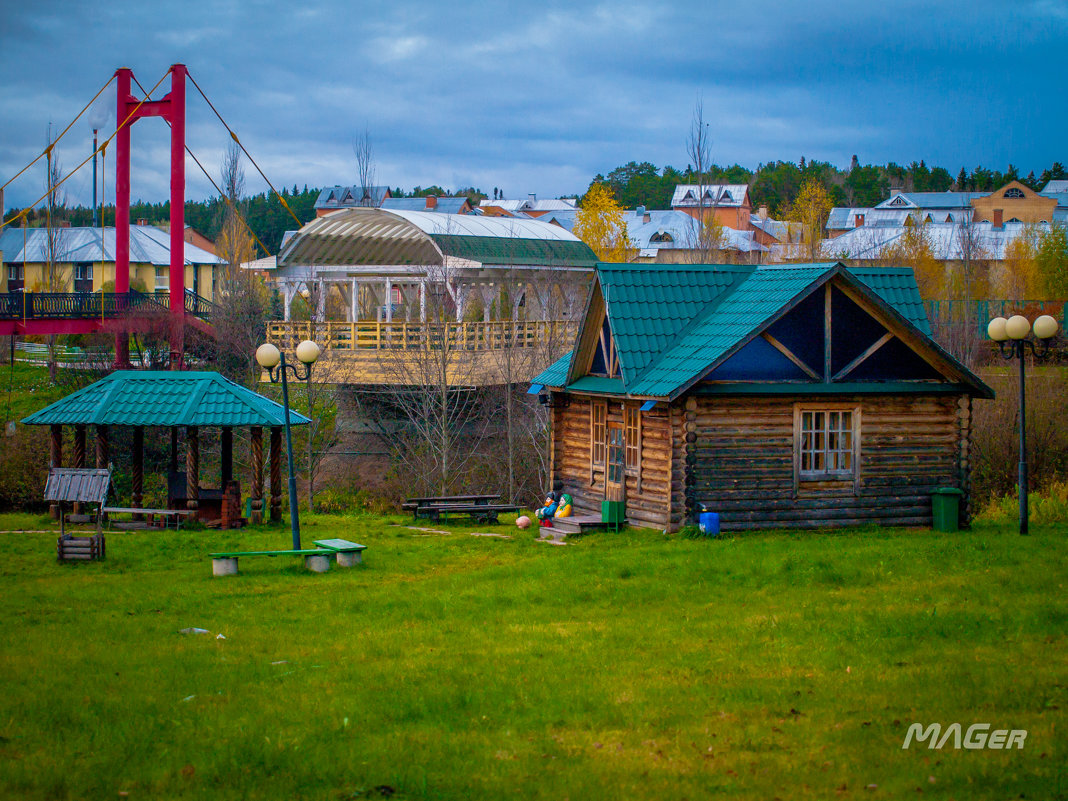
1011	336
274	362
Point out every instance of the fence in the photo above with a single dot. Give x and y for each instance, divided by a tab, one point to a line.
980	312
86	305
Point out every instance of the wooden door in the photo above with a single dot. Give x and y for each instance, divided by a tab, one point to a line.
614	468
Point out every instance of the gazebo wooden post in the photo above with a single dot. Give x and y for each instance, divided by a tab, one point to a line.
276	473
79	454
256	443
192	468
55	459
226	456
103	449
137	478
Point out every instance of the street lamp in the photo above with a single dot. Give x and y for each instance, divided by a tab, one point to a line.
274	362
1011	336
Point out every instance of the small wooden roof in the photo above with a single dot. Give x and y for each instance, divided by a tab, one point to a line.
165	398
87	485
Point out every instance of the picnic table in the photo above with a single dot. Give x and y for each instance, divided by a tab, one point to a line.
439	507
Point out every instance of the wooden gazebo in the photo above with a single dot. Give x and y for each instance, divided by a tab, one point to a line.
189	400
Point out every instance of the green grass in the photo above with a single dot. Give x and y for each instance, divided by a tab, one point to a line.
457	667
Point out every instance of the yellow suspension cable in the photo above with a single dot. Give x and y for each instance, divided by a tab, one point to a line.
90	158
243	150
230	203
55	141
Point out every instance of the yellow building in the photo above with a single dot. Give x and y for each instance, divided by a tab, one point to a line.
85	261
1013	202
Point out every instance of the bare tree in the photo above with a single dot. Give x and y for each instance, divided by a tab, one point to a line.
365	166
965	342
706	232
243	301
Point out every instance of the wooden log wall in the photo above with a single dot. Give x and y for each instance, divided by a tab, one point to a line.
648	502
742	461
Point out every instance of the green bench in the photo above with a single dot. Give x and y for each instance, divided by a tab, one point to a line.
348	553
315	559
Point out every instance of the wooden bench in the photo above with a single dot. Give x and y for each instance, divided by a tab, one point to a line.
348	553
175	514
315	559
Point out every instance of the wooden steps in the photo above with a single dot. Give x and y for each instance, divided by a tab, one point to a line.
577	524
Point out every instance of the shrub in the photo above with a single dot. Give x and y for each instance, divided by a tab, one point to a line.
995	452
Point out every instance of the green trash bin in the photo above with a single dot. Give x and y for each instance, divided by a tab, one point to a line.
613	514
945	508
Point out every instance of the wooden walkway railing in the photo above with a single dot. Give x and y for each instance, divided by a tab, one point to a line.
476	336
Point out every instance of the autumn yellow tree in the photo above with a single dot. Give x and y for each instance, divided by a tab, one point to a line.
1015	276
811	208
915	249
600	224
1052	261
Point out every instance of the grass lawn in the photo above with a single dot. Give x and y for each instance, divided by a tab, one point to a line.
627	665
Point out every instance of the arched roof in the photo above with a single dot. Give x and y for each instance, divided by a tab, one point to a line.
380	237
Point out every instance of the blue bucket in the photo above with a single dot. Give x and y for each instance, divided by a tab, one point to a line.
708	522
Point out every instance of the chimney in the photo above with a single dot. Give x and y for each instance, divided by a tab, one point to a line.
641	212
999	216
895	192
431	202
762	212
533	198
860	220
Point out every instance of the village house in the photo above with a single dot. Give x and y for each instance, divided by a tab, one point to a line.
85	260
806	395
728	204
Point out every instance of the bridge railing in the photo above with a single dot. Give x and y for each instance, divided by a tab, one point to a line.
476	336
88	305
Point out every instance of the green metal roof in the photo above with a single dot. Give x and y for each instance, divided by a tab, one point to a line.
165	398
555	375
648	308
672	324
490	250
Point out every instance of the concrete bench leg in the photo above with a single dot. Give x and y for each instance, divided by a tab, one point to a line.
317	563
349	559
224	567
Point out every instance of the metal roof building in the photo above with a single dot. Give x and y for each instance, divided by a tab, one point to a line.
148	245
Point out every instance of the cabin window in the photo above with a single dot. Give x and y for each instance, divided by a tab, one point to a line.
632	430
598	417
827	444
163	279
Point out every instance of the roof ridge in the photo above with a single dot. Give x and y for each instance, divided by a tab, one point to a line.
819	280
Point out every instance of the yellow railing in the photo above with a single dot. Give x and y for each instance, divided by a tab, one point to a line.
359	336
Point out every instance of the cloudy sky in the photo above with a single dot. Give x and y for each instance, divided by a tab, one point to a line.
539	97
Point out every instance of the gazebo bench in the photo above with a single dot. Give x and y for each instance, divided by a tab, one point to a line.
176	514
315	559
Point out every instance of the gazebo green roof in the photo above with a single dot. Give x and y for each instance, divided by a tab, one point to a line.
165	398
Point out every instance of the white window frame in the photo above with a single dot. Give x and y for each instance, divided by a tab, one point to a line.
818	448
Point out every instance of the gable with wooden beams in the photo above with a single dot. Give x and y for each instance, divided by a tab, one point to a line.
815	328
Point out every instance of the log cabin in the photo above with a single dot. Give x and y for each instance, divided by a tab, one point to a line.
802	395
